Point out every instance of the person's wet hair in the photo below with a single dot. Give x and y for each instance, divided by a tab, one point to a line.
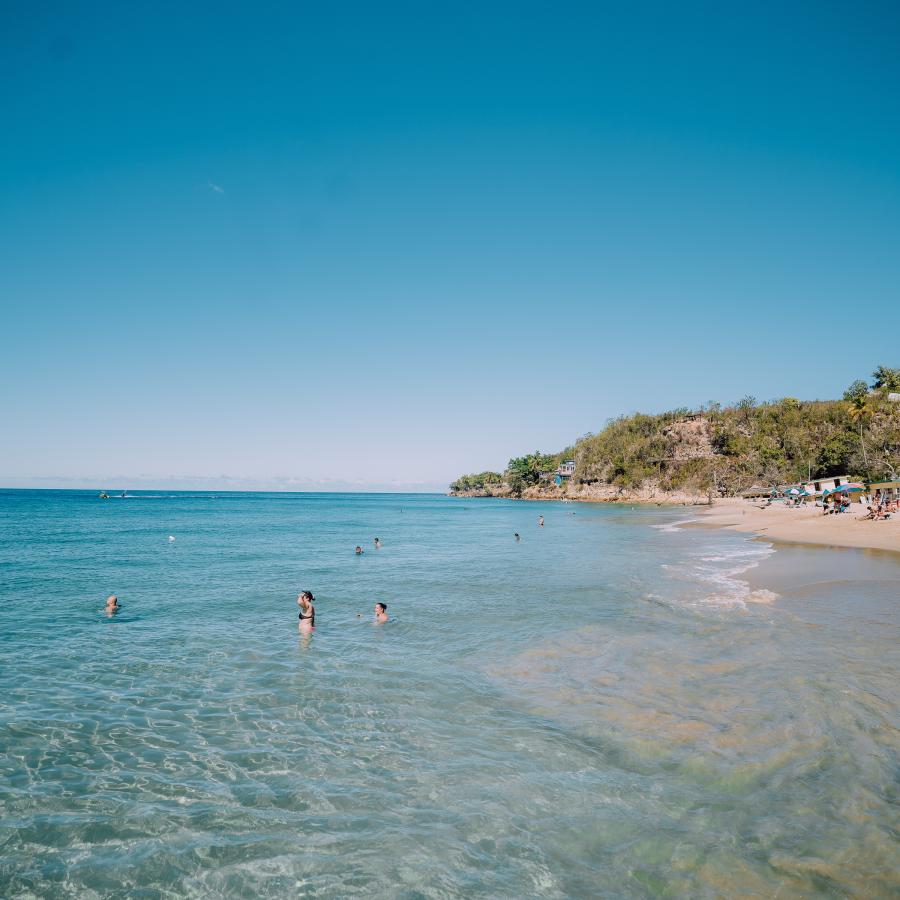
383	606
308	595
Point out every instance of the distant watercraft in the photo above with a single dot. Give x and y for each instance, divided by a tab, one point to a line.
104	495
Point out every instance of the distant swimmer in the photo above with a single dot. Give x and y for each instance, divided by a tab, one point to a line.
112	604
307	611
516	536
541	521
377	544
381	612
359	550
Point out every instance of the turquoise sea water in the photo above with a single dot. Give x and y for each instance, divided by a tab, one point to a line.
605	708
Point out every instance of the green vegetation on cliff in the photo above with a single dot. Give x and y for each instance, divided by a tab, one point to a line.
723	450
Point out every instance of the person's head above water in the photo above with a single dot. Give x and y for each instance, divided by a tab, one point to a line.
359	550
305	597
381	612
112	601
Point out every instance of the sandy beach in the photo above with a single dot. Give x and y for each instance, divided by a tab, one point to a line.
805	525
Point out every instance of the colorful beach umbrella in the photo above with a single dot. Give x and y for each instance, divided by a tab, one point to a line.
851	488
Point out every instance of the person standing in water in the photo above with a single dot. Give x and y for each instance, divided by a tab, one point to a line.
112	604
377	544
541	521
381	612
307	611
516	536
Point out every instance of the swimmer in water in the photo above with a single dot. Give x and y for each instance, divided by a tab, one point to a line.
112	604
381	612
359	550
541	521
307	611
377	544
516	536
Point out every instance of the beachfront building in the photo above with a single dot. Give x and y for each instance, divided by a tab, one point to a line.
885	490
820	485
565	471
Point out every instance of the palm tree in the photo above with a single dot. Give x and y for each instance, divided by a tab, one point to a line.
860	411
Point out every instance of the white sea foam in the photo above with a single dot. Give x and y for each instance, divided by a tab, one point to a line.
718	576
674	526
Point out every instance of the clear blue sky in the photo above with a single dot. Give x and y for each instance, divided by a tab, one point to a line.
386	244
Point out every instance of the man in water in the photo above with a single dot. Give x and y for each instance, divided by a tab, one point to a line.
359	550
112	604
516	536
377	544
381	612
541	521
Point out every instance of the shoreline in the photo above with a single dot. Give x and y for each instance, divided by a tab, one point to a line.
807	526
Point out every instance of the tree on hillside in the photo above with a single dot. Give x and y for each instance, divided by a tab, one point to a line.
860	410
857	392
886	378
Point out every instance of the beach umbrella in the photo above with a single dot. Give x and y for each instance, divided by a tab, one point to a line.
850	488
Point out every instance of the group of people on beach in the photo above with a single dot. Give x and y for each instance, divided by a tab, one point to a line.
881	508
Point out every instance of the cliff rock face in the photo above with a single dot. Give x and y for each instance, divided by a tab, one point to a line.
689	438
649	492
492	490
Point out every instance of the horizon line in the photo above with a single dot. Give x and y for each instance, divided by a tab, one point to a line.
94	490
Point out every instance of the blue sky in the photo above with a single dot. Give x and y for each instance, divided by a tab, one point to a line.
385	244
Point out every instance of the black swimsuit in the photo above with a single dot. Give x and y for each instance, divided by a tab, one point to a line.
312	616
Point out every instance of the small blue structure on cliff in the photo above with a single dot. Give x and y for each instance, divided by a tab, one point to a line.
564	471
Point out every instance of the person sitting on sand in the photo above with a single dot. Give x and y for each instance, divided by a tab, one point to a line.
112	604
381	612
359	550
377	544
307	611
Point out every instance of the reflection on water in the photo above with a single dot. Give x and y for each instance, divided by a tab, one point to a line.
599	710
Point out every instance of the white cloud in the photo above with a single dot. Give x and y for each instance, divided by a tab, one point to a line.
215	187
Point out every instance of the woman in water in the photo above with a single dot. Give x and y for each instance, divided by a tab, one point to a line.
307	611
381	612
112	604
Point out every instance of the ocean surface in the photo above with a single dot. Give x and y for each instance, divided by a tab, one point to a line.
612	706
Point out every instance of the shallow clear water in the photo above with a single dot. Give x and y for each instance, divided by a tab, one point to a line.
606	708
